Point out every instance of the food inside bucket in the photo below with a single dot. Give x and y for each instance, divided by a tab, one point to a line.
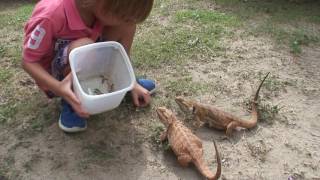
97	85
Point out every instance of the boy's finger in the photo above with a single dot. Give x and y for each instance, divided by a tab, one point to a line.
74	98
135	99
145	100
84	115
79	110
68	78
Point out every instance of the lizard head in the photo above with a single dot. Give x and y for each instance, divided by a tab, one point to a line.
184	104
166	116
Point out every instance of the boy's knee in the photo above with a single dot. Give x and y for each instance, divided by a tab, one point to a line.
72	45
79	42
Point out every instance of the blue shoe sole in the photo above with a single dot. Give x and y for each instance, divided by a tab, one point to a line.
71	130
153	90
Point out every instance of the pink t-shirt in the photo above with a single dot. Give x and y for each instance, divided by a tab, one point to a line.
52	20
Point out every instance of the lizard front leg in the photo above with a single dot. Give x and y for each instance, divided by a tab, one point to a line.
184	159
232	125
198	123
163	135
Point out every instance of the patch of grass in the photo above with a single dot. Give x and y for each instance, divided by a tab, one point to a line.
156	131
5	166
268	112
189	32
5	74
96	154
271	29
279	10
272	83
2	50
175	46
157	48
281	20
159	101
45	117
99	152
17	17
8	112
11	31
36	115
181	85
301	38
295	38
13	51
315	18
204	17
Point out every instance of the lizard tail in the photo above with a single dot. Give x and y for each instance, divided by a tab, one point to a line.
218	172
204	170
254	113
255	100
258	90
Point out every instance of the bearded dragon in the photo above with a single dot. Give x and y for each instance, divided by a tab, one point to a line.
216	118
186	145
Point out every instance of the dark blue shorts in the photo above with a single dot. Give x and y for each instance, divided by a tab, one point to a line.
59	62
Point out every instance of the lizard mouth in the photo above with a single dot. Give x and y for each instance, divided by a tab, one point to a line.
164	115
161	111
184	104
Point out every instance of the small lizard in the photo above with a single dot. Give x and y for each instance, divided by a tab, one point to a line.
186	145
105	80
216	118
95	91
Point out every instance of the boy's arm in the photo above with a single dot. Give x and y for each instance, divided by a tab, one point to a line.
38	41
60	88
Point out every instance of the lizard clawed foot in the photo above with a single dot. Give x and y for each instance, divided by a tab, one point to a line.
163	136
184	160
198	124
230	128
229	133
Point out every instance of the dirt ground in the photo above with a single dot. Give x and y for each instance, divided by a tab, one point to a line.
120	144
121	149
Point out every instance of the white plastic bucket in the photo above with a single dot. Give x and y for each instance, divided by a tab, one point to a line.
91	62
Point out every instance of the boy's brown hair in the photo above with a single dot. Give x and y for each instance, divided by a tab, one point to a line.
129	10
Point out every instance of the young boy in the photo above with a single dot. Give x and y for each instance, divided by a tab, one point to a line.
58	26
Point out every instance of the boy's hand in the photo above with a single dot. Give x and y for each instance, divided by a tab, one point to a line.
70	97
141	97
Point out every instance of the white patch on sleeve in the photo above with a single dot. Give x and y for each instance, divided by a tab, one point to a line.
36	37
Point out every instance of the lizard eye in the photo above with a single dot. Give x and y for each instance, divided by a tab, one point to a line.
193	109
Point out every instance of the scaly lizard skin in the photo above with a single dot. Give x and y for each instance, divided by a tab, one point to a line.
186	145
204	113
